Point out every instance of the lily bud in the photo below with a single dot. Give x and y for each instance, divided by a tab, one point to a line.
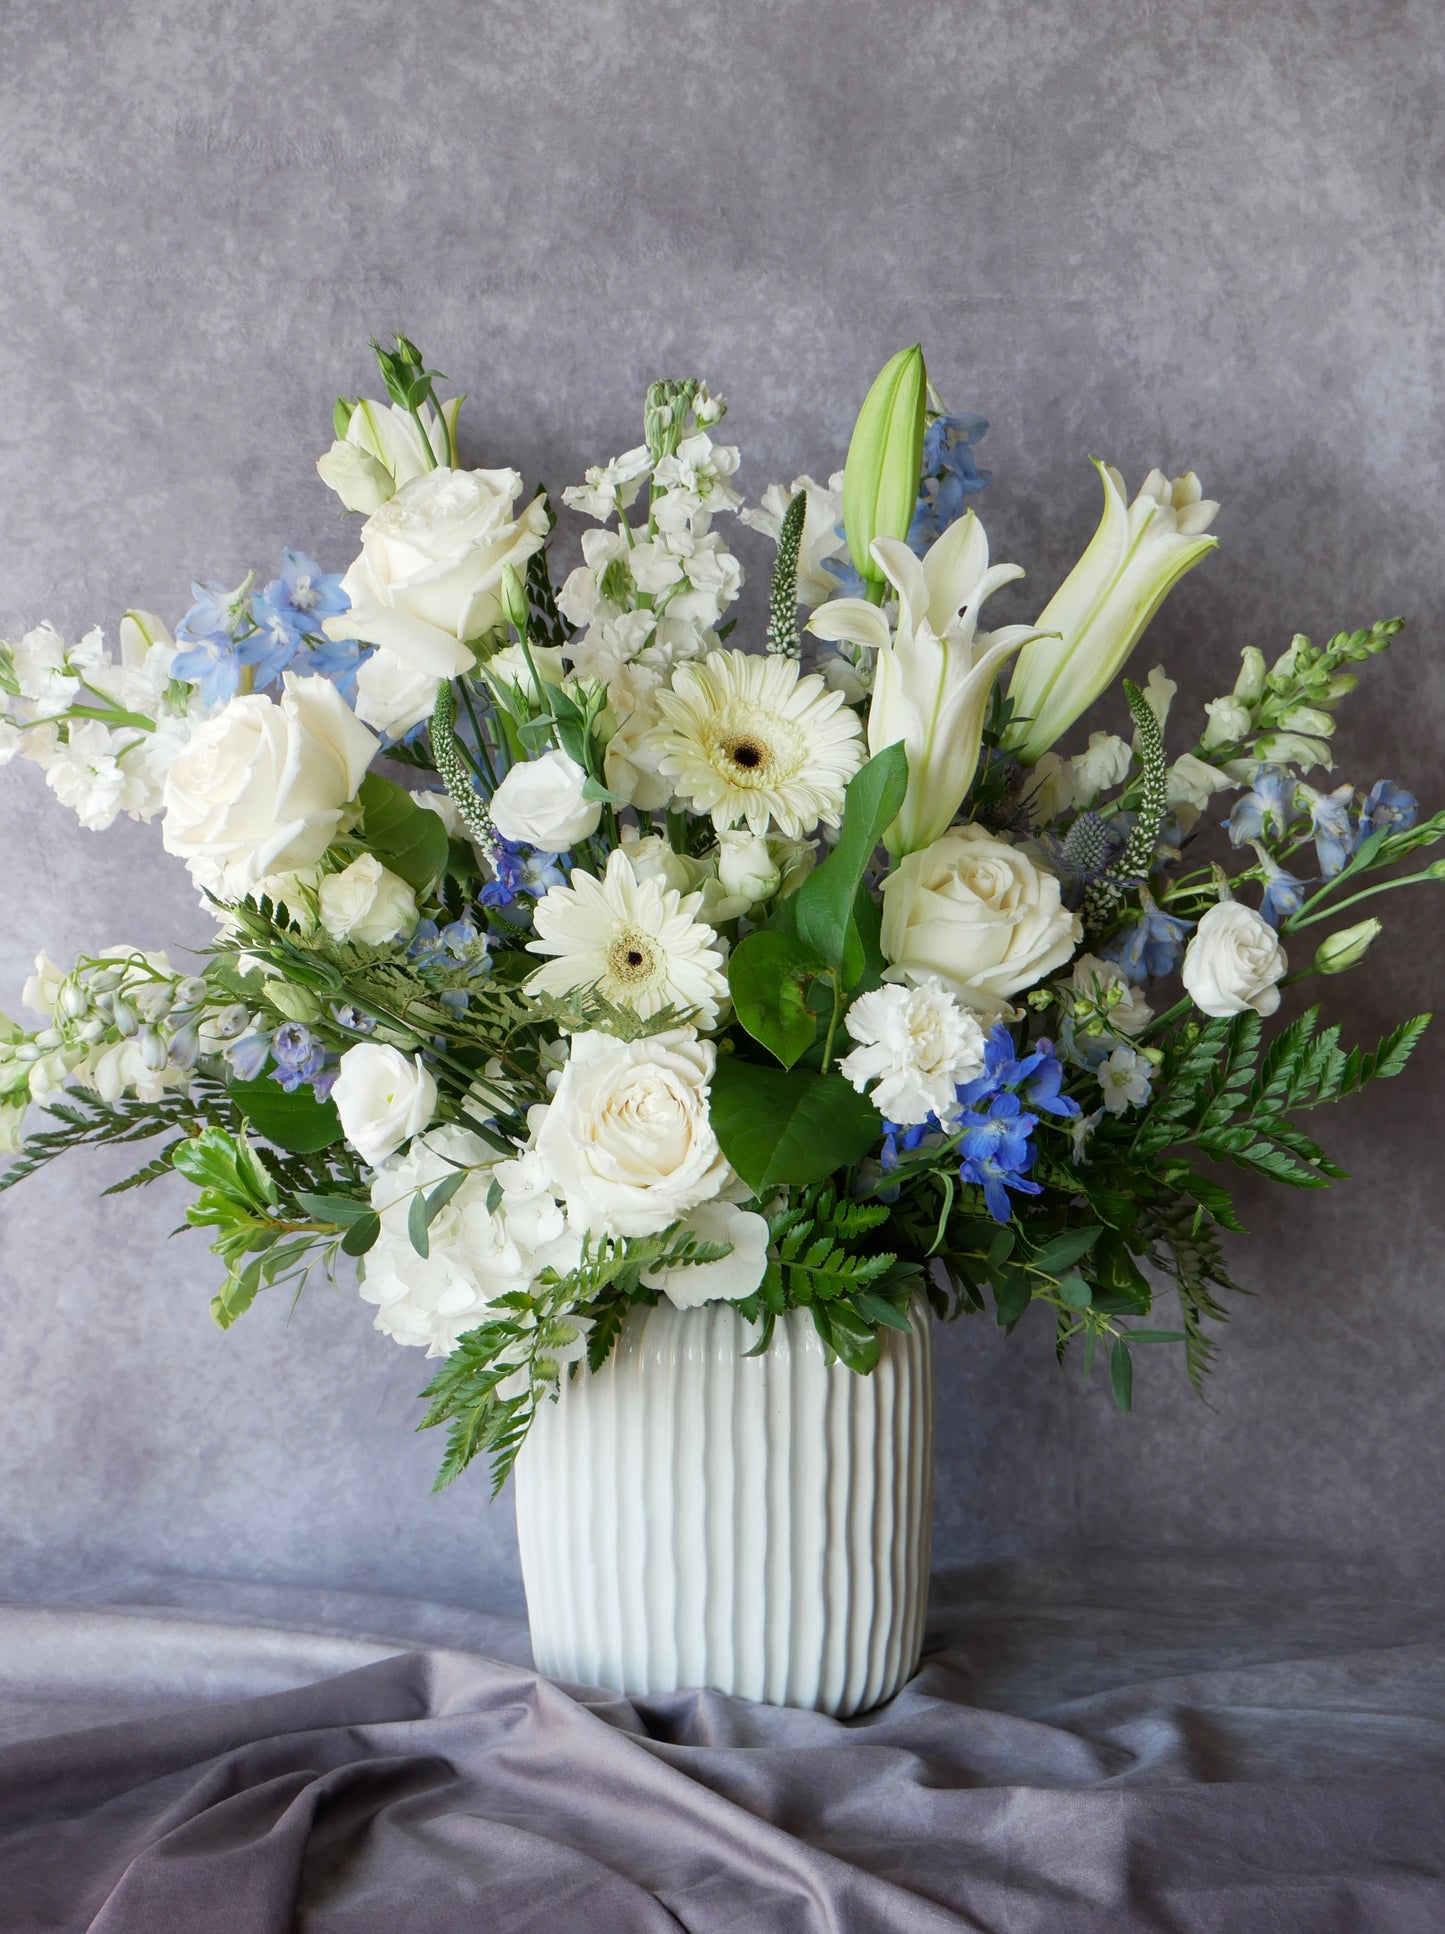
1346	948
885	460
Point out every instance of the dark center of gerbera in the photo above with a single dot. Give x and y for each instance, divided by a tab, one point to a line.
747	755
633	957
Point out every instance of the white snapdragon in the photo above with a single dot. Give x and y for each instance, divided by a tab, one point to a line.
1193	783
1233	962
916	1044
542	802
383	1099
1102	765
822	540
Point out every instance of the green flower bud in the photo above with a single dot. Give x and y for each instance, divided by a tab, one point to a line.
1308	719
514	598
292	1002
1346	948
885	458
1249	686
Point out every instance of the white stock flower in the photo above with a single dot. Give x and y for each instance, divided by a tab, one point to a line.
540	802
610	486
429	577
474	1254
264	786
1099	612
1124	1079
601	585
626	1138
978	914
638	942
383	1099
730	1278
1234	961
747	738
84	774
916	1044
49	672
696	475
366	902
822	537
933	673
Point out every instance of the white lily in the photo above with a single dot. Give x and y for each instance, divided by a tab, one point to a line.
934	671
1098	614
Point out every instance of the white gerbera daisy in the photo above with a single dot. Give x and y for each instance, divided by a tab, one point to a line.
744	737
638	942
917	1044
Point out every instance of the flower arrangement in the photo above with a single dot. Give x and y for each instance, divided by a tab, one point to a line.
569	955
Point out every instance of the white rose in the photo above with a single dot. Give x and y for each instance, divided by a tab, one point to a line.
263	787
630	763
539	803
1234	962
688	1285
980	915
746	866
366	903
382	1098
430	572
359	480
392	695
626	1138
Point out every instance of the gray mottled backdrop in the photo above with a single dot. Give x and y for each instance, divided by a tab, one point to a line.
1204	235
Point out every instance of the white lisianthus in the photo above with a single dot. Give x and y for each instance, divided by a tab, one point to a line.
978	914
1234	961
637	941
934	672
540	802
382	450
383	1099
508	670
366	902
1125	1079
474	1253
730	1278
1099	612
747	738
821	540
916	1044
265	786
429	577
626	1138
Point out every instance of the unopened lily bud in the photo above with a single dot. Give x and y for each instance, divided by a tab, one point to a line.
1249	686
1346	948
885	458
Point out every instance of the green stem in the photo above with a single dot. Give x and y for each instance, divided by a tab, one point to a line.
1328	913
833	1021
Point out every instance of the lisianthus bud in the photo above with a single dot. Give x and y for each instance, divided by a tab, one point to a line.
292	1002
514	598
885	459
1346	948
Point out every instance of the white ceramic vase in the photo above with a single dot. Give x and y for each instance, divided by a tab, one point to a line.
691	1516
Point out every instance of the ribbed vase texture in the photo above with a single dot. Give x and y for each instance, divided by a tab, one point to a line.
691	1516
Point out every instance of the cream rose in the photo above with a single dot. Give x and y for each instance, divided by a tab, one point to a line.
977	913
626	1139
392	695
382	1098
263	786
541	803
429	576
1234	962
366	903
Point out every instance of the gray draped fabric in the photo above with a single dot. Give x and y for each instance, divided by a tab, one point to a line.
1088	1749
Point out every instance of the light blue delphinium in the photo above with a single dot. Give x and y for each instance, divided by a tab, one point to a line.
210	633
997	1152
1330	827
213	665
1038	1074
1389	806
1284	893
950	477
298	1055
288	612
1269	806
1153	946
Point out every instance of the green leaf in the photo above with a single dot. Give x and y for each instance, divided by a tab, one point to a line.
780	1125
339	1210
1074	1292
361	1235
768	977
425	1209
412	842
297	1122
1012	1295
1063	1250
823	904
1121	1375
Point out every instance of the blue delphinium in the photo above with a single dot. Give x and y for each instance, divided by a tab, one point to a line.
950	476
1284	894
287	613
209	634
1038	1074
1330	827
998	1153
1152	947
519	873
298	1055
1386	806
1268	807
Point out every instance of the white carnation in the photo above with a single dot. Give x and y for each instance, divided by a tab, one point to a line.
916	1044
